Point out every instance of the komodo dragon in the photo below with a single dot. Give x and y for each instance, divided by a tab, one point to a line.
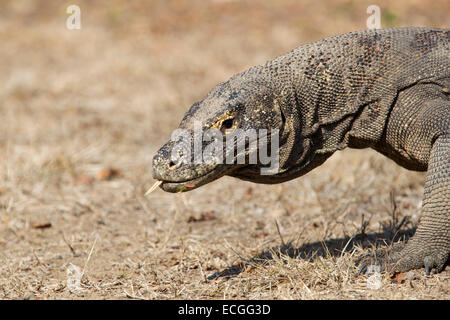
385	89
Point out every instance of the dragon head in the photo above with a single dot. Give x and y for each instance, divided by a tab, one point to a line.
240	129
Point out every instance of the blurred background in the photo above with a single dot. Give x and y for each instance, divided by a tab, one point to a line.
83	111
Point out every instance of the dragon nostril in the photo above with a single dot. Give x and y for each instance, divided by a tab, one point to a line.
171	164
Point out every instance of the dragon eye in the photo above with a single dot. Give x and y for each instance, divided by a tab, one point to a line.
227	124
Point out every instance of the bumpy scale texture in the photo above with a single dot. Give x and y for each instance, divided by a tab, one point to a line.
384	89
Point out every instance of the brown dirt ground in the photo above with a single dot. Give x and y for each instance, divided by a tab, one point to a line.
83	111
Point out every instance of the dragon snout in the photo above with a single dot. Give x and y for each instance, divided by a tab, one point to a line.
162	164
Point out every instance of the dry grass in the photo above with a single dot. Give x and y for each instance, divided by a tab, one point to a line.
82	113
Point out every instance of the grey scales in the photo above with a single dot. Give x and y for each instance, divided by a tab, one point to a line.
386	89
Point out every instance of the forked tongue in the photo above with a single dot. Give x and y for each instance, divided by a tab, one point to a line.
156	185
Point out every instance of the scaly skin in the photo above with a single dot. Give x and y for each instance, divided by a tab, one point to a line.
384	89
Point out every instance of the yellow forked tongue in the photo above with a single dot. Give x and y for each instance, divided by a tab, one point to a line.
156	185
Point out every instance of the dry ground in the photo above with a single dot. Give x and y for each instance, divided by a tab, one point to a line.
83	111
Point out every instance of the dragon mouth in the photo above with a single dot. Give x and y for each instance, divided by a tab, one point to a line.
191	184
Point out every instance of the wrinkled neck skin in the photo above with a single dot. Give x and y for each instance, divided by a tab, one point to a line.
323	111
308	135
